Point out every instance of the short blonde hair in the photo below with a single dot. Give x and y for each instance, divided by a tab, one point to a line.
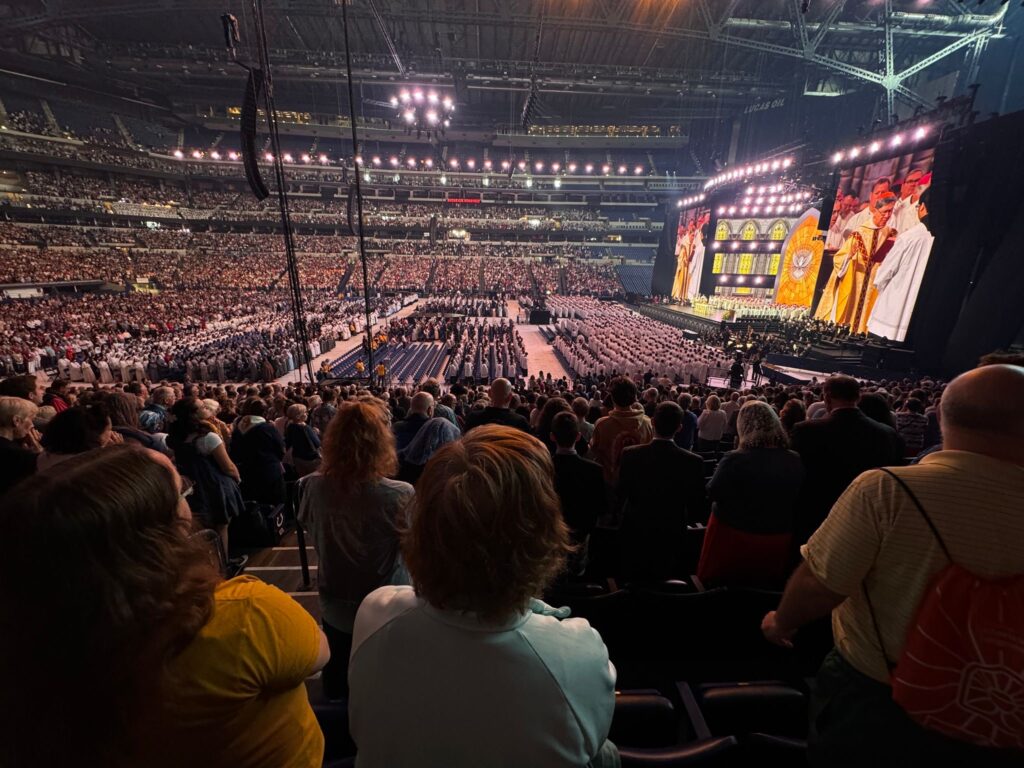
296	411
487	532
12	408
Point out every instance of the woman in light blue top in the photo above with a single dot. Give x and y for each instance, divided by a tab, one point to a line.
467	669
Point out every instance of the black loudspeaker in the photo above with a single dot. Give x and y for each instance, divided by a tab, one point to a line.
540	317
433	230
828	204
351	210
253	89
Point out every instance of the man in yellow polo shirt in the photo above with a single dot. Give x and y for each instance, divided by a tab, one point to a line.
876	543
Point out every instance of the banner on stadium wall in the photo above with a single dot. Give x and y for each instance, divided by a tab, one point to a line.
802	253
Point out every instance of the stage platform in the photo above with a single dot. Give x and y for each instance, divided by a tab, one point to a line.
685	318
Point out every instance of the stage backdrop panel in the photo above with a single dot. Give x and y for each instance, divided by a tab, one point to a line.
878	244
801	261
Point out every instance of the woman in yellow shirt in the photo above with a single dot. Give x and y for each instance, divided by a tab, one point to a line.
121	646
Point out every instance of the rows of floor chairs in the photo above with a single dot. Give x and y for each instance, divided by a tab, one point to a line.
412	363
636	278
697	684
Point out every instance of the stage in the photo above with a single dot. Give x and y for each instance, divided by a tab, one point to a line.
687	319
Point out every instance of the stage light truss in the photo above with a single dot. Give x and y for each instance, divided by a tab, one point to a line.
881	146
749	171
423	111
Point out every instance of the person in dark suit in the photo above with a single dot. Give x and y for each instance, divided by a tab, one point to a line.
420	412
836	449
498	412
580	486
663	489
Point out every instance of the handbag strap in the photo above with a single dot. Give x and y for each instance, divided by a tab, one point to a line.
890	665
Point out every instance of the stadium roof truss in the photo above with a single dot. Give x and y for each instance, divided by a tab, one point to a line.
666	58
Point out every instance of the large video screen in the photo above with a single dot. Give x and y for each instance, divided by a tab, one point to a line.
877	245
689	252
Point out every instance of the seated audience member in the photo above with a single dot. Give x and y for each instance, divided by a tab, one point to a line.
154	416
124	417
257	449
580	487
353	513
503	678
836	449
686	437
876	408
498	411
201	456
75	431
27	386
911	424
301	440
436	433
156	660
421	410
711	425
754	492
873	560
56	395
581	408
17	461
211	415
663	489
625	425
792	413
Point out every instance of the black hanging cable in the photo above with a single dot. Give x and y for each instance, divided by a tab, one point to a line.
358	188
298	309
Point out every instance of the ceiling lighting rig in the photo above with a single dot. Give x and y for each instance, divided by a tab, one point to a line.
423	112
880	147
749	171
687	202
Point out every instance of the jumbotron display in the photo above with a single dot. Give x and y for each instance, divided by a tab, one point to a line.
877	245
690	252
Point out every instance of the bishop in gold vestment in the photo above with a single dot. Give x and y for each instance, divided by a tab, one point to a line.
850	293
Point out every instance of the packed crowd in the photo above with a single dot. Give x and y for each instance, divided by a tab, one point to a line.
484	499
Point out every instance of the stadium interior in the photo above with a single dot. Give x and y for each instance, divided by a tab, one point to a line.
511	382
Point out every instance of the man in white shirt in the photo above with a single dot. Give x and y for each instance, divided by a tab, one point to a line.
904	213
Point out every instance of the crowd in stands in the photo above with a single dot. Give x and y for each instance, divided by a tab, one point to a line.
591	279
435	512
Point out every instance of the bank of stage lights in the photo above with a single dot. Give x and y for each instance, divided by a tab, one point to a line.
744	172
688	202
892	144
766	201
423	111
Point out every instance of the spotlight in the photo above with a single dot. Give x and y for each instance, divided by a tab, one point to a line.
487	181
755	210
837	158
232	155
376	160
409	116
394	101
588	168
744	210
444	179
638	170
558	183
775	165
215	155
752	246
268	157
723	278
920	133
732	209
897	139
787	162
196	154
505	165
432	117
411	162
521	165
715	245
305	158
572	167
447	103
538	167
432	97
555	167
721	211
741	279
366	176
429	163
855	152
454	162
733	245
404	97
396	178
488	164
471	163
875	146
417	96
394	161
323	159
529	182
750	190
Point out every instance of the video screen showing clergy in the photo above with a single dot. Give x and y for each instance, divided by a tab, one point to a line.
879	242
690	236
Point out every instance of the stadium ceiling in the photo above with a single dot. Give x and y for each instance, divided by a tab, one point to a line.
607	61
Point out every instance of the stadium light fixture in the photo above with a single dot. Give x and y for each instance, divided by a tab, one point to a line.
215	155
558	183
305	158
505	165
232	155
444	179
471	163
488	165
269	157
555	167
529	182
323	159
589	168
572	167
196	154
375	160
429	162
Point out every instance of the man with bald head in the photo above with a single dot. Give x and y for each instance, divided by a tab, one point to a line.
421	410
874	556
498	412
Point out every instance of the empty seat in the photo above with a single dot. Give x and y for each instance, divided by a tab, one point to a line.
707	753
742	708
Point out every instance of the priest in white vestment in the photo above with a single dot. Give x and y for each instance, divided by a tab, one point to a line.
898	279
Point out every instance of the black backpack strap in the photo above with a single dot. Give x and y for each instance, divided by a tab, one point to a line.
890	665
920	508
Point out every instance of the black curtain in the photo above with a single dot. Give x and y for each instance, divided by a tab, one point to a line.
972	297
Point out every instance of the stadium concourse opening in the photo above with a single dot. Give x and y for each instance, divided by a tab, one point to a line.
491	383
